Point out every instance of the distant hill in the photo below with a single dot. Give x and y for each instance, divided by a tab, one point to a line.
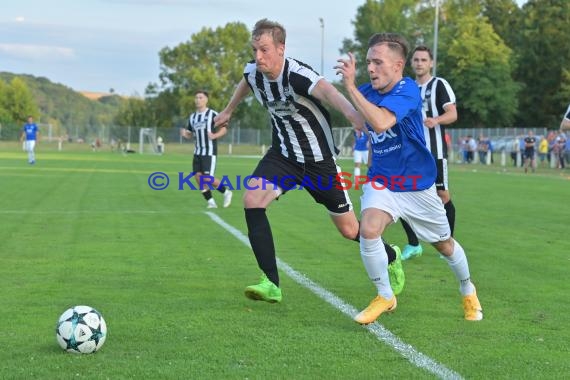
68	109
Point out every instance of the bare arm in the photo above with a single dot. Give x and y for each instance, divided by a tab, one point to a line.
241	91
448	117
327	93
379	118
220	133
185	133
565	124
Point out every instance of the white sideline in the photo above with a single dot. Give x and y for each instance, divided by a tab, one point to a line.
415	357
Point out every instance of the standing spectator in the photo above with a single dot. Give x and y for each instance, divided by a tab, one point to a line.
360	150
201	124
30	137
559	150
521	149
514	149
471	149
438	111
160	145
302	147
528	155
463	149
483	146
392	107
543	151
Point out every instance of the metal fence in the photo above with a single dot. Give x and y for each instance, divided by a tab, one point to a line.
500	137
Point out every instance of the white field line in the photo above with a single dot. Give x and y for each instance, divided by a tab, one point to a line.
414	356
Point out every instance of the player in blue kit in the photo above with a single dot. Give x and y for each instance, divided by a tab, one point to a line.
360	150
30	136
392	107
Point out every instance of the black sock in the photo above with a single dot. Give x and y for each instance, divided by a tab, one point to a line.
207	194
412	238
450	212
222	189
389	250
261	240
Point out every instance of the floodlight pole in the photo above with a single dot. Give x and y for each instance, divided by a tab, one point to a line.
322	45
435	37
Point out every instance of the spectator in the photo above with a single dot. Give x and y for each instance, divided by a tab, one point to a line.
543	151
528	154
471	148
483	148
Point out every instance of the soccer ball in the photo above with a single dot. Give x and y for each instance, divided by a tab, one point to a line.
81	330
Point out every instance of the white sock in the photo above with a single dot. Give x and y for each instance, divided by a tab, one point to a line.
375	262
356	171
458	264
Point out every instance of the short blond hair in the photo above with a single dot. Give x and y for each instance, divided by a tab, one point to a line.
276	30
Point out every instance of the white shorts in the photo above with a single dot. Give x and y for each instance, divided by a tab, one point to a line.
361	156
29	145
423	210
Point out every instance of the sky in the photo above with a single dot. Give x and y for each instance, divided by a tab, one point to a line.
96	45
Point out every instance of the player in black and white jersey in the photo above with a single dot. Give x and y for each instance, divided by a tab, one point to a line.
439	110
201	125
302	148
565	123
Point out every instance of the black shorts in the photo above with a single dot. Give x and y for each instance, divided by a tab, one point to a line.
320	179
528	153
441	178
204	164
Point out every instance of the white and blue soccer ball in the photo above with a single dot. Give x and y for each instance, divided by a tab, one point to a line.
81	330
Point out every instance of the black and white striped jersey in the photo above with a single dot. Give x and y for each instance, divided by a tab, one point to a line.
301	125
435	95
200	123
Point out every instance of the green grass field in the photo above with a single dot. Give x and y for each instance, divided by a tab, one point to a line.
85	228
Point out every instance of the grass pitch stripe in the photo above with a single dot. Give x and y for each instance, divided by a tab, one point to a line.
410	353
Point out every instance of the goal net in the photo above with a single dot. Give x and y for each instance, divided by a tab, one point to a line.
147	141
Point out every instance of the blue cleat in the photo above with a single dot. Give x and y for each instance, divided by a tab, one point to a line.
411	251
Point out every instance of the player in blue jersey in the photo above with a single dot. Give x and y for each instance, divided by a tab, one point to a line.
360	150
30	137
402	172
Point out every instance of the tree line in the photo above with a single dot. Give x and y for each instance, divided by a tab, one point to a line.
508	65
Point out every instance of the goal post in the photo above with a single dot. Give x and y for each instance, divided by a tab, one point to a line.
342	137
147	141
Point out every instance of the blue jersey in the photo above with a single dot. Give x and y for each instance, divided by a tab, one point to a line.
360	141
31	131
400	155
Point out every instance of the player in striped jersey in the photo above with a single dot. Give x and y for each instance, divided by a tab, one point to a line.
302	148
438	109
30	137
565	123
201	124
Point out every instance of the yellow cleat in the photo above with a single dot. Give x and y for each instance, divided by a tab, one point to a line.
377	306
472	307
